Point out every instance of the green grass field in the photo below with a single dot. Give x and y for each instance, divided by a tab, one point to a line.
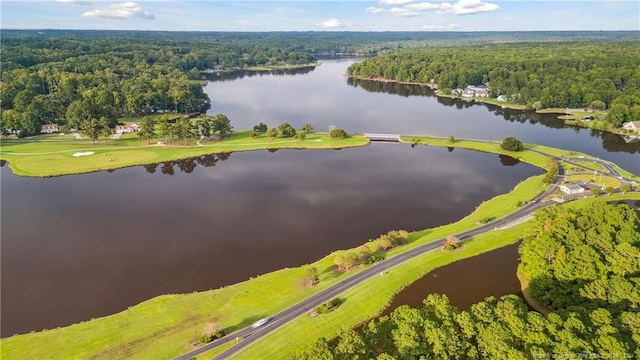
601	181
368	299
49	158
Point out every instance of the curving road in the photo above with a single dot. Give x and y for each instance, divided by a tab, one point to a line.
250	335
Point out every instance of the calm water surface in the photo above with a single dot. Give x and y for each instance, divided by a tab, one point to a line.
84	246
325	97
467	281
78	247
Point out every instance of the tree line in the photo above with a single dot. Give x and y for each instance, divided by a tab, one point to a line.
583	264
597	75
69	77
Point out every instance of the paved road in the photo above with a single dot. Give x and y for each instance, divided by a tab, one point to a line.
251	335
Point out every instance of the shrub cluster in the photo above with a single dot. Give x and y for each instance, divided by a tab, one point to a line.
329	306
338	133
487	219
511	144
206	338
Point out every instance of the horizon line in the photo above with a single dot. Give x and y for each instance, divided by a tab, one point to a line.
320	31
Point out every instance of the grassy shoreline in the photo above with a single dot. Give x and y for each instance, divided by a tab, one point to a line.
164	326
361	306
45	158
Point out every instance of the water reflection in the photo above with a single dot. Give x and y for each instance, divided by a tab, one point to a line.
610	142
187	165
324	97
241	74
467	281
126	236
507	160
393	88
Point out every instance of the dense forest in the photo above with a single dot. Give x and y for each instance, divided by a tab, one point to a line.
589	258
584	264
603	75
73	78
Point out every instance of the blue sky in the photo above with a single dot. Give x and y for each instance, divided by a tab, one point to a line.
303	15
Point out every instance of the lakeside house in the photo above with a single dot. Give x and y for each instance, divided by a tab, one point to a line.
501	98
127	128
49	129
632	126
472	91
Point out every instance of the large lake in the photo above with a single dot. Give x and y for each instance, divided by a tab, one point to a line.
85	246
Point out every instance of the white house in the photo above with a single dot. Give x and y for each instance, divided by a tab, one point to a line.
501	98
632	126
127	128
49	128
572	189
475	91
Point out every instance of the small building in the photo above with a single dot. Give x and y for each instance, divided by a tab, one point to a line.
476	91
501	98
572	189
632	126
127	128
49	128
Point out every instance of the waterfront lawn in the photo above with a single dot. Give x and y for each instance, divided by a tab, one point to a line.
500	103
47	158
490	146
164	326
360	305
369	299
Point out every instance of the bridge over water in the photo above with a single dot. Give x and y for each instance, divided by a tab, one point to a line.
382	137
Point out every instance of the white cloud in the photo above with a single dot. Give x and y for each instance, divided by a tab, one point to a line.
126	10
402	12
75	2
462	7
375	10
332	24
395	2
423	6
465	7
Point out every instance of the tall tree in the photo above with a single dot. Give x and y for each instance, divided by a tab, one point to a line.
91	129
104	129
147	129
